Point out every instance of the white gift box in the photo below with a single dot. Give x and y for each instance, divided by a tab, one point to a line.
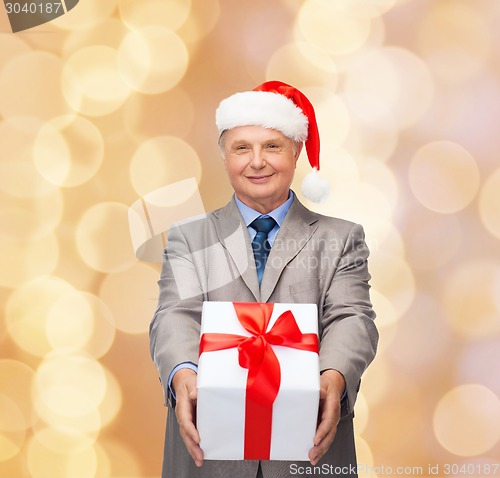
222	385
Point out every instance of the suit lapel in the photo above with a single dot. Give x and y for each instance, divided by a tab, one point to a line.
233	235
295	232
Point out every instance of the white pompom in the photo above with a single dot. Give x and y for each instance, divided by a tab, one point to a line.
314	187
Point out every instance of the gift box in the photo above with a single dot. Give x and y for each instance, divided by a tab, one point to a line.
258	381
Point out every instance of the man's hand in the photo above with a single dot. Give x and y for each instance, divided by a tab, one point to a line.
186	393
332	386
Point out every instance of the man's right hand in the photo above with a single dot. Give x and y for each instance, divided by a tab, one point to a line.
186	393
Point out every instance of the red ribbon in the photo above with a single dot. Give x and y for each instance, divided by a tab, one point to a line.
264	376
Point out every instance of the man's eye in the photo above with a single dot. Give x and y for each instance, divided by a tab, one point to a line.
272	146
241	147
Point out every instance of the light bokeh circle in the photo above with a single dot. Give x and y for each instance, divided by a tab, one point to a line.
362	414
30	219
103	237
142	59
496	287
386	314
70	384
51	154
25	260
103	331
386	75
201	21
118	459
302	64
12	428
63	439
333	116
21	96
364	454
43	462
12	46
16	380
172	14
27	311
132	297
71	334
163	160
365	8
357	201
376	39
374	131
454	40
466	420
109	32
18	175
421	241
112	401
378	379
89	424
91	82
393	277
444	176
388	238
85	15
68	151
147	116
379	174
333	30
103	467
469	299
341	169
423	342
489	204
472	361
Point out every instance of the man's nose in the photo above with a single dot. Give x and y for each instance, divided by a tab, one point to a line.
258	160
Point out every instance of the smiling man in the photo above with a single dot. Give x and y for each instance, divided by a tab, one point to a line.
285	253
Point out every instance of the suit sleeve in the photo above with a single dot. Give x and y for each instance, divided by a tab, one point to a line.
348	334
175	328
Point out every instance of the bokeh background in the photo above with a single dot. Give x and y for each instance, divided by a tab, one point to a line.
116	99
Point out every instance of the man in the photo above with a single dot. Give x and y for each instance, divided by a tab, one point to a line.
307	258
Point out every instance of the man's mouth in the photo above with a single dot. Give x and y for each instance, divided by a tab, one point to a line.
261	178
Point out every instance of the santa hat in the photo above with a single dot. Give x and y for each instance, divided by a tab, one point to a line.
282	107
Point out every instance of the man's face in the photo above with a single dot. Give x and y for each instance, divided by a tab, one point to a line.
260	163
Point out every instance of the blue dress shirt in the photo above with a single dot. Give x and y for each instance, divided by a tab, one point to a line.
278	214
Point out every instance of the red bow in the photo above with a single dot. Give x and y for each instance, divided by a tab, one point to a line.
264	376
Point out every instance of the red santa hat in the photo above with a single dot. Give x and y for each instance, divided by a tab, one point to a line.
282	107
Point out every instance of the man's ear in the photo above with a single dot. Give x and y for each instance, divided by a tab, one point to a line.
298	148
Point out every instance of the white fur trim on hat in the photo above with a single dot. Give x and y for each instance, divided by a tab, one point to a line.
262	108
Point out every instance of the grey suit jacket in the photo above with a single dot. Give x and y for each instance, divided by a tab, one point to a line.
314	259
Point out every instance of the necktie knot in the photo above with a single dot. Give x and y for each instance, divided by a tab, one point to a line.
263	224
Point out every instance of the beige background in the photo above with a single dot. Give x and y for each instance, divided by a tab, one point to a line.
116	99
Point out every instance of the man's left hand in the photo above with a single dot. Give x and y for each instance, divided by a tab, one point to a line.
332	386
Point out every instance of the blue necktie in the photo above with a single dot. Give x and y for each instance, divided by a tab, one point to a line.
260	245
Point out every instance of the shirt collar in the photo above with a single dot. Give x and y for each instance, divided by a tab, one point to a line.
278	214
